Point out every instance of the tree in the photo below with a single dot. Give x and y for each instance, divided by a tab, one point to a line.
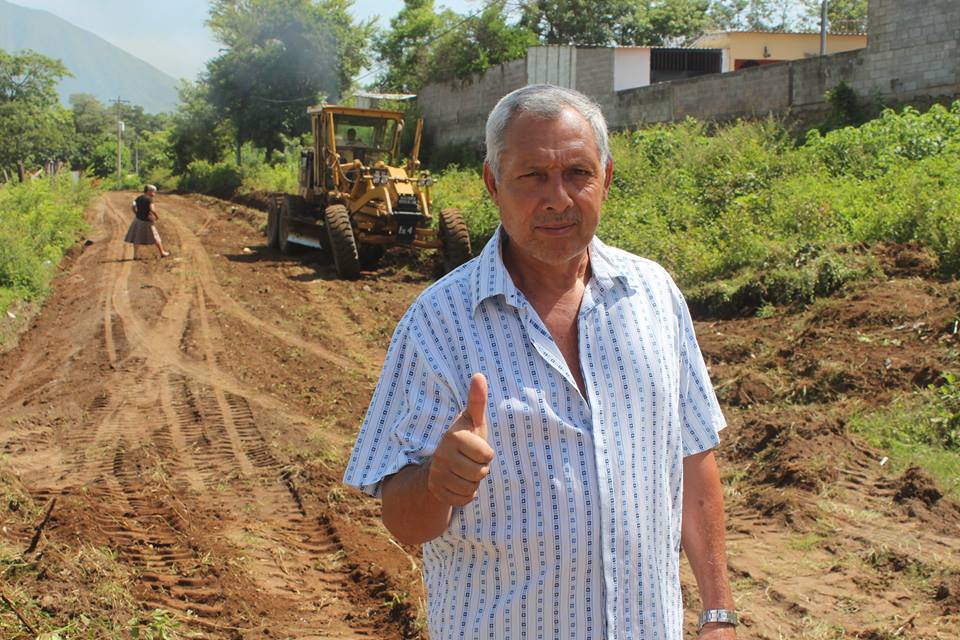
673	22
198	132
33	125
749	15
405	47
279	57
92	121
609	22
842	15
476	42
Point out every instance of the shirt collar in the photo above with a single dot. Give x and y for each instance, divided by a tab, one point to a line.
491	277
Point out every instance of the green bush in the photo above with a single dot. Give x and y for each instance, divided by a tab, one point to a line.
279	172
885	142
221	179
38	221
744	218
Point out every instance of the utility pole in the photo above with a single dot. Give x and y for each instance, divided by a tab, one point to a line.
823	28
119	102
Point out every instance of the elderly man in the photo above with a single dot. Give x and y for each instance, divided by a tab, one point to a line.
544	416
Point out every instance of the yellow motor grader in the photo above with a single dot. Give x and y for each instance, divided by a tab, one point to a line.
355	201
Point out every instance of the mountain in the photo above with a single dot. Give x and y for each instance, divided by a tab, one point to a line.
98	67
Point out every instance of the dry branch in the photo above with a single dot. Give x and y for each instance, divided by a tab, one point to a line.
39	528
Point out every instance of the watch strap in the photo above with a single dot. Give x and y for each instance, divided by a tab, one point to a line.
727	616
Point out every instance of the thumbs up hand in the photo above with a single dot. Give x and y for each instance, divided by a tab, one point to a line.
462	459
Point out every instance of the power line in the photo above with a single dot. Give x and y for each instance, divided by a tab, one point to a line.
276	101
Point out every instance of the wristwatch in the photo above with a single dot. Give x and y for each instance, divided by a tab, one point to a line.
727	616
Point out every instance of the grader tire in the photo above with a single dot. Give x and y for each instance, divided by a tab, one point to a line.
455	239
292	205
273	225
342	244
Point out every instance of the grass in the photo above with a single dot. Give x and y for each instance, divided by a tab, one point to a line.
920	429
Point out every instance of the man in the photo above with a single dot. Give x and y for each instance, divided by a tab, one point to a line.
143	229
544	415
352	139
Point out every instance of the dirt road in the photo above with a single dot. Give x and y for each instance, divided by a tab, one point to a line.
173	398
194	414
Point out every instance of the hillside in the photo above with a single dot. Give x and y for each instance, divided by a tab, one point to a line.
98	67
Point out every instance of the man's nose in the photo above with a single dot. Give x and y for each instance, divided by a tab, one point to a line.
556	197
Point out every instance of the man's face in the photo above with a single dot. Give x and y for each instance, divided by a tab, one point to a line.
551	186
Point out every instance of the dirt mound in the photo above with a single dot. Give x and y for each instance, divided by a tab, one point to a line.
947	593
921	498
259	200
906	259
917	485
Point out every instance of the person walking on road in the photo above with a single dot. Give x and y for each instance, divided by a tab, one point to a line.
544	422
143	229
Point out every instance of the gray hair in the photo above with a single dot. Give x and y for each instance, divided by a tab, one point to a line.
543	101
149	188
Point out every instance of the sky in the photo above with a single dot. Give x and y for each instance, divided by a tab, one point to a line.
171	35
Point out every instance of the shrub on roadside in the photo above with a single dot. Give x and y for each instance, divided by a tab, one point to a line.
38	221
279	172
221	179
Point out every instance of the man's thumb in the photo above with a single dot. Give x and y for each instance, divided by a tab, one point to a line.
477	404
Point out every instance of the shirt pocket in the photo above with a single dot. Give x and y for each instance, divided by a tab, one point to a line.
539	479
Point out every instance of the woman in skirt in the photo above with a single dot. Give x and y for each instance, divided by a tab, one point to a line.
143	229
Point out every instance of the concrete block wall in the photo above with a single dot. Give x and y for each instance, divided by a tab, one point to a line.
913	47
595	75
456	112
913	51
754	92
642	105
813	77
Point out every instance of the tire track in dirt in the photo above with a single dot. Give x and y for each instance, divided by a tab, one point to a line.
200	260
137	520
211	432
293	540
166	455
160	343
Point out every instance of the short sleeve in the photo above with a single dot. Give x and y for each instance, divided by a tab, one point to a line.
410	410
700	413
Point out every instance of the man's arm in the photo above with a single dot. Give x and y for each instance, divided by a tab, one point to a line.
410	512
418	500
702	537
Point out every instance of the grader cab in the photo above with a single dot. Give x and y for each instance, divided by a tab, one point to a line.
355	199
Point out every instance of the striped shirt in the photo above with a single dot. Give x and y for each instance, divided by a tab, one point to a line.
575	532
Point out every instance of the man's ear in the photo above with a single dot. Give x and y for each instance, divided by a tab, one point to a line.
491	183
